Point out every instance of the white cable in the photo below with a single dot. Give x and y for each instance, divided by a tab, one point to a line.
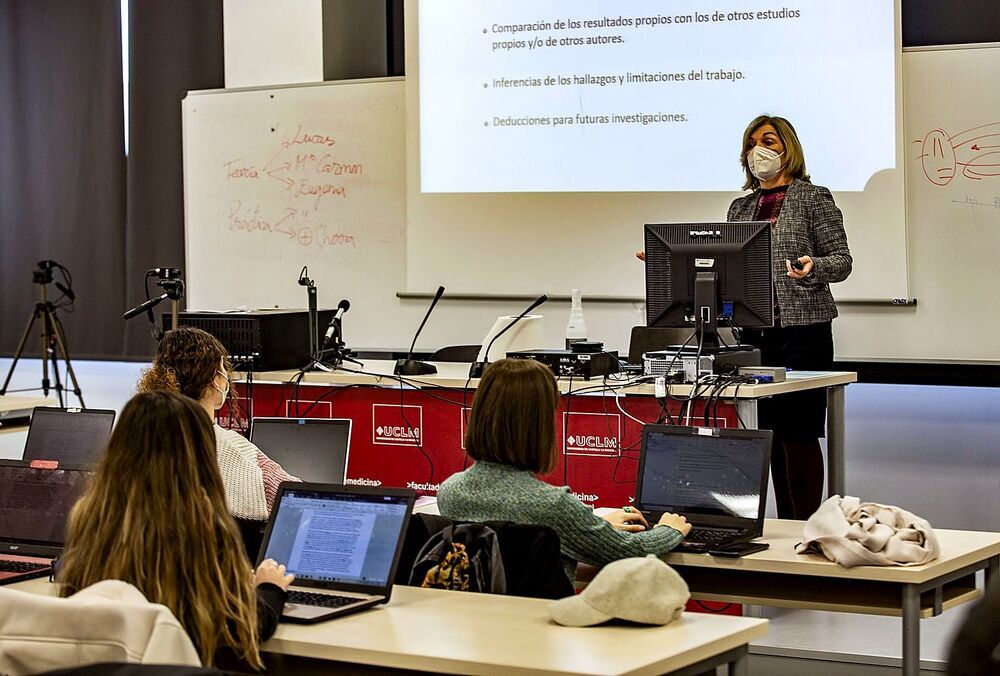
624	412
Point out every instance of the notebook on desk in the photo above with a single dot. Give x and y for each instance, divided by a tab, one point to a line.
716	478
313	449
71	436
342	543
34	508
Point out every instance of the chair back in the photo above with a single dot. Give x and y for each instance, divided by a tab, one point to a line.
531	555
457	353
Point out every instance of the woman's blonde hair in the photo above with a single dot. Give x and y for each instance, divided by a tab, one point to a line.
513	416
187	361
155	516
795	159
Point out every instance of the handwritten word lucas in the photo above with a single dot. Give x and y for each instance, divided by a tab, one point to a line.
304	138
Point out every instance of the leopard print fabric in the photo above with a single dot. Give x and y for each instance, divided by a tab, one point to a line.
452	573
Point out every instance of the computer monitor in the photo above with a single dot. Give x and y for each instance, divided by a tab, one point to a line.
703	275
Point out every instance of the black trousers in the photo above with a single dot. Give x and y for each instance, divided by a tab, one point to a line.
798	420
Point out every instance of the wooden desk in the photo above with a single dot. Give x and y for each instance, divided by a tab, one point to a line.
780	577
465	633
15	412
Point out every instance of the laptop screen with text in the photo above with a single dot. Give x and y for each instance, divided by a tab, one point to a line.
337	537
703	474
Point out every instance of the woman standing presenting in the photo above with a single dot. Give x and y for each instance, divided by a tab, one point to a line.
809	253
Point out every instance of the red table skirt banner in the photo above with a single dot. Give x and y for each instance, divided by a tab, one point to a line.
415	437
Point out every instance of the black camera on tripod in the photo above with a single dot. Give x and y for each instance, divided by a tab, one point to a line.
43	273
53	337
170	281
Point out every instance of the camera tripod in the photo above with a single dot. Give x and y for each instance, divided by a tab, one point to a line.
53	339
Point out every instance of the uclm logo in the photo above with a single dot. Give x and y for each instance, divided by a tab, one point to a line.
592	434
394	425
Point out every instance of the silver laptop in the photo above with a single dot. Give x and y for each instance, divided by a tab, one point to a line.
34	506
342	543
313	449
71	436
717	478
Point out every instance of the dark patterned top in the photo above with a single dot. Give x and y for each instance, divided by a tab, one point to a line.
769	205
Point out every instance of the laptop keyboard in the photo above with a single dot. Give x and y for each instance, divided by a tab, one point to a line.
321	600
20	566
709	535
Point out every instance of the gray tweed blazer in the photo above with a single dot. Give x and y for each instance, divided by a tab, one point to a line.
809	224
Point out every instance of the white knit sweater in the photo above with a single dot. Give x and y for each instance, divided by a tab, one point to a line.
242	477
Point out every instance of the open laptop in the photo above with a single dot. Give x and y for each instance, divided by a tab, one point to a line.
342	543
313	449
72	436
717	478
34	507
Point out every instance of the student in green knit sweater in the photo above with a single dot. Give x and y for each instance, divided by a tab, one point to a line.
511	436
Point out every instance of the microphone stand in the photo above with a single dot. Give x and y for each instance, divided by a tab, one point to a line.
415	367
305	281
333	345
477	367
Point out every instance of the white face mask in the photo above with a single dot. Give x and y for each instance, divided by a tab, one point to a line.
225	392
764	163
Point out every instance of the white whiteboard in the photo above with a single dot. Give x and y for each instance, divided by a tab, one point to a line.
275	179
953	216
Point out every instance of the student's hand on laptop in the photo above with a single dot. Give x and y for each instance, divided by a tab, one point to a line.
629	520
675	521
271	571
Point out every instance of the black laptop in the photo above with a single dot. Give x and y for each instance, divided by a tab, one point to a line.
71	436
34	507
717	478
313	449
342	543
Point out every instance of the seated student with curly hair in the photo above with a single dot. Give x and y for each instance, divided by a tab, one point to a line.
155	516
194	363
511	436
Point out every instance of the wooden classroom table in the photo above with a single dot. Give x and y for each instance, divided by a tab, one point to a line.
779	577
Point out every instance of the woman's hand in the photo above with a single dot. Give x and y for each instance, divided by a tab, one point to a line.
628	519
271	571
807	267
675	521
641	255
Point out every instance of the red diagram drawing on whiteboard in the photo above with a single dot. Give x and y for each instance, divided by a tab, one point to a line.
975	152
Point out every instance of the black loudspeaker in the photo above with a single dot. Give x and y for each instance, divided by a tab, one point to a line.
262	340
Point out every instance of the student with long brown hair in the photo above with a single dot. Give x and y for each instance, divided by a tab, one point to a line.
194	363
155	516
511	436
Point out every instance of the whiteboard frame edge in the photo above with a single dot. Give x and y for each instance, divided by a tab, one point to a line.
298	85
